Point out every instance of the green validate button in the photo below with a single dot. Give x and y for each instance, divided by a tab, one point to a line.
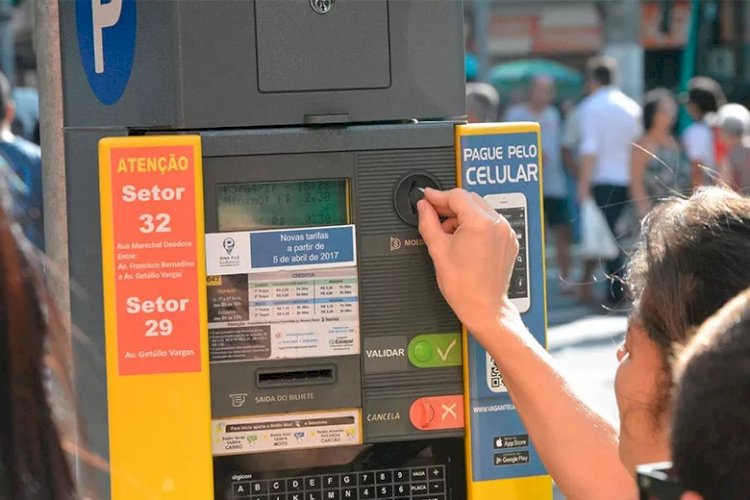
435	350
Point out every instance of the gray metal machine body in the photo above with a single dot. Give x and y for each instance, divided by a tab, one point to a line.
358	87
262	63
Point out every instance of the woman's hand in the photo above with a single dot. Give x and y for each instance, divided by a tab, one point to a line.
473	250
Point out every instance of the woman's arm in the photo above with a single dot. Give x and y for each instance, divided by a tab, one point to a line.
577	446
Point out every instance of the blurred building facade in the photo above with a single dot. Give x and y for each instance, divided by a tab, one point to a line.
570	31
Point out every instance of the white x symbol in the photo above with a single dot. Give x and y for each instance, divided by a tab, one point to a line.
449	410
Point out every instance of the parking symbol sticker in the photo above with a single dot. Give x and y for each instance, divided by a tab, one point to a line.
106	40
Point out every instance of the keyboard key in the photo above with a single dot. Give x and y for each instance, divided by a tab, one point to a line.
401	490
331	495
348	480
437	472
276	486
241	489
312	483
419	474
366	478
437	487
384	476
330	481
277	496
313	495
295	496
294	484
259	487
401	476
366	492
384	491
419	489
259	497
349	494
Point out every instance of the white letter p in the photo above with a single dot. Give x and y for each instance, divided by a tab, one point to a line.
104	16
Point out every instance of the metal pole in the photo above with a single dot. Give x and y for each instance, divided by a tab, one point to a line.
622	31
47	43
49	70
481	21
689	55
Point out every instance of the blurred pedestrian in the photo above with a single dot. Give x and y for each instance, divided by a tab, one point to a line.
711	425
33	463
22	161
482	102
610	123
702	100
657	159
570	141
734	130
539	109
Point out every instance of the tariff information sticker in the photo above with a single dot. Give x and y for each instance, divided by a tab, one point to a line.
151	253
286	432
285	314
282	294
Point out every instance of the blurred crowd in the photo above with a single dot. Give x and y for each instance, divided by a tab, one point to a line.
621	154
21	158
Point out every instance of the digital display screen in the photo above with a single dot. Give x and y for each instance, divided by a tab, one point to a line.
516	217
272	205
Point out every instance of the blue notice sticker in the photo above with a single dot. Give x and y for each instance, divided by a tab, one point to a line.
106	40
302	248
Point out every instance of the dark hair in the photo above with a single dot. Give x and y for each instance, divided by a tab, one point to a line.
602	69
651	101
33	464
711	427
706	94
693	256
5	95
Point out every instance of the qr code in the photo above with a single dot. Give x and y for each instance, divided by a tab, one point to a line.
494	378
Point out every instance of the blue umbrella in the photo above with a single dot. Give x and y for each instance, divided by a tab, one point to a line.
509	76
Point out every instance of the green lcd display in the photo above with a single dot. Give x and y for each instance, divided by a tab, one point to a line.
271	205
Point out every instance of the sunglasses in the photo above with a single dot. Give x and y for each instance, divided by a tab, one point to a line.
657	482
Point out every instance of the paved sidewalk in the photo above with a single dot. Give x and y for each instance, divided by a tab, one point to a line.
583	341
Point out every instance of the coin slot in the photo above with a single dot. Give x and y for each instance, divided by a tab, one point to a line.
409	191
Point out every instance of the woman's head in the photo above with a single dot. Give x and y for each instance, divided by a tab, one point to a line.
32	461
693	256
659	111
704	96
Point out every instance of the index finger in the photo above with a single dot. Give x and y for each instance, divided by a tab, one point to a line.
453	203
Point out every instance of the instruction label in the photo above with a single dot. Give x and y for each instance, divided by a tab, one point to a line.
151	256
285	314
284	249
286	432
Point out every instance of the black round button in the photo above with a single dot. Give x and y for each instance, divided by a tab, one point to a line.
408	193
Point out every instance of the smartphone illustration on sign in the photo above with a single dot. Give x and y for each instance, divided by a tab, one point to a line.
513	207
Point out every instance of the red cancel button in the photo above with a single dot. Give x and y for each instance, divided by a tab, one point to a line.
438	413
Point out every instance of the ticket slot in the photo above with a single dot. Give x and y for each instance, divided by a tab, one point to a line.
320	391
312	375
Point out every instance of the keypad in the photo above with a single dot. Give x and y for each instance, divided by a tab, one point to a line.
410	483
